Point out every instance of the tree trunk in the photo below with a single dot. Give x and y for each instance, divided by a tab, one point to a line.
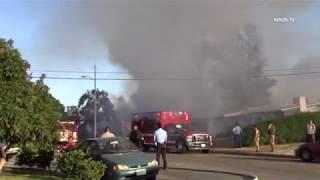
3	158
2	163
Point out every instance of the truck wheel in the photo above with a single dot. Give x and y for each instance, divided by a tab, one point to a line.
181	148
205	151
306	155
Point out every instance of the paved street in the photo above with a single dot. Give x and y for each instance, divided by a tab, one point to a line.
192	175
263	167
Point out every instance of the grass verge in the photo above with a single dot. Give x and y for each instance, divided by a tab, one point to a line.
26	174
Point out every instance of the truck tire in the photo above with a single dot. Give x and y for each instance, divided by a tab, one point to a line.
306	155
181	148
145	148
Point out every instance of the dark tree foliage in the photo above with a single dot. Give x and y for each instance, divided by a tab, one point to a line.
105	113
28	112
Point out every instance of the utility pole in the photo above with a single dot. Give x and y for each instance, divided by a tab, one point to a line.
95	102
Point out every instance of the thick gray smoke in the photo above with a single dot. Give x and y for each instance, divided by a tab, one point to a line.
216	47
224	74
297	85
200	41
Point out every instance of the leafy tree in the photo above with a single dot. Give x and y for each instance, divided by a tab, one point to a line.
105	113
28	112
62	111
43	122
15	96
72	110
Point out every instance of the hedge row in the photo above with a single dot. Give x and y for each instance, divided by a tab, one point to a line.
75	164
79	166
288	129
31	156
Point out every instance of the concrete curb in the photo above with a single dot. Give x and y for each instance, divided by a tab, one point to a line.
252	154
251	177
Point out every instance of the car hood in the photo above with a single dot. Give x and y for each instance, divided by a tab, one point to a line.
192	132
129	158
310	145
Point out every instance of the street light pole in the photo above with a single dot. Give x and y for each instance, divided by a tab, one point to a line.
95	102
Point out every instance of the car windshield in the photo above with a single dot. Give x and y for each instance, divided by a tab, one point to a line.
117	146
182	128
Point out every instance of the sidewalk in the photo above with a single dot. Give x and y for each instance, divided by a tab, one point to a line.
208	169
283	150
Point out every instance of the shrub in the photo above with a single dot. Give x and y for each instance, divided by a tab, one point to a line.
77	165
44	158
27	156
288	129
30	155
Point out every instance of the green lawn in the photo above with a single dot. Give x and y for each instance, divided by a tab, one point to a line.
28	177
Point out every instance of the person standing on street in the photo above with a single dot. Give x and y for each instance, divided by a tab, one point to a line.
237	135
135	136
311	132
107	133
257	138
160	139
272	135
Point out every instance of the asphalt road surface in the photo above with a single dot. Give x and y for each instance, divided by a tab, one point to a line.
264	167
172	174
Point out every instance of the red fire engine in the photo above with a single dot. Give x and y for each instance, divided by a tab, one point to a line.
177	124
68	136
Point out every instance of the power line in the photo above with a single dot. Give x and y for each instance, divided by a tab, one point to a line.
77	72
293	69
289	74
122	72
169	79
100	72
116	79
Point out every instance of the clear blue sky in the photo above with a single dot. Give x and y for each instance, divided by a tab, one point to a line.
20	23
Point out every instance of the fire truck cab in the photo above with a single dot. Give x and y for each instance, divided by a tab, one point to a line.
177	124
68	135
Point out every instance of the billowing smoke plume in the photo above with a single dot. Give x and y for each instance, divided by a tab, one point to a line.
218	58
223	78
303	81
214	48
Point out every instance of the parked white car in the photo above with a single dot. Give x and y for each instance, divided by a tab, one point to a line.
11	150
